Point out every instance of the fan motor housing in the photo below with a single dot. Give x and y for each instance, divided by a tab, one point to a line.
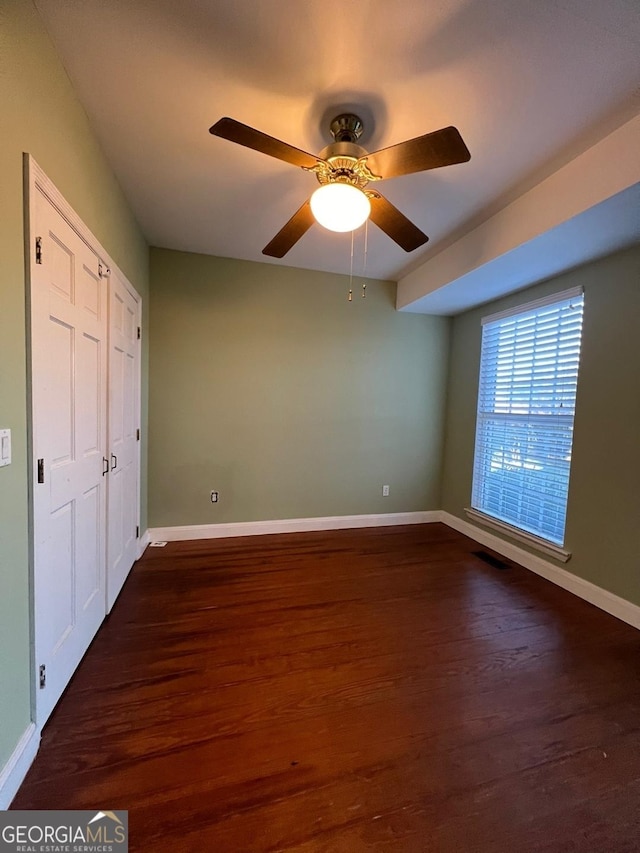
338	150
344	162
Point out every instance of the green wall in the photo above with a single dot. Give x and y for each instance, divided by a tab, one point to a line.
603	513
269	386
40	115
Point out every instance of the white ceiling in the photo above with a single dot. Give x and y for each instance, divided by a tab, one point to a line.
529	84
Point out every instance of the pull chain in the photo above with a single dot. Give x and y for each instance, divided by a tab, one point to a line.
364	270
351	272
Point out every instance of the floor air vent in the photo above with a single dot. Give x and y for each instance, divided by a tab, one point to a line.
490	559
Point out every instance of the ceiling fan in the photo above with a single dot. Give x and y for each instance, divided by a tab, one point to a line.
343	170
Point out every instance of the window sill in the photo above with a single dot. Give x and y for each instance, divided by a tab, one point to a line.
547	548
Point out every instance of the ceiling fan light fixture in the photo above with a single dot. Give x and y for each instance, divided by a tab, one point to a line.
340	206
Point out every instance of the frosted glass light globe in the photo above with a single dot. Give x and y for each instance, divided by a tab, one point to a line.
340	207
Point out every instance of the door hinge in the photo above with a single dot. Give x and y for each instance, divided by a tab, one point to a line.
137	532
43	676
40	470
138	435
38	250
139	333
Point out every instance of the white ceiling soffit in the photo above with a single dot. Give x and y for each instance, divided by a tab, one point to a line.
613	224
528	84
585	210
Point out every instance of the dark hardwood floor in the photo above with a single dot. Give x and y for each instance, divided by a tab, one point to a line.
357	690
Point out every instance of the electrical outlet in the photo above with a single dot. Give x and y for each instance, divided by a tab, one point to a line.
214	497
385	491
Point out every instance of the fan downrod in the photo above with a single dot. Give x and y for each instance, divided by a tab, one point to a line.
346	127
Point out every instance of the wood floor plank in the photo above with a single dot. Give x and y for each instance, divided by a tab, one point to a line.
378	690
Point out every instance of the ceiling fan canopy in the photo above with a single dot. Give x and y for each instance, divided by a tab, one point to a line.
344	169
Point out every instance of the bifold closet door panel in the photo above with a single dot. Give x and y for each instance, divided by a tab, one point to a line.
122	548
69	310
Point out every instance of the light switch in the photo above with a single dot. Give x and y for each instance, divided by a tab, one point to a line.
5	447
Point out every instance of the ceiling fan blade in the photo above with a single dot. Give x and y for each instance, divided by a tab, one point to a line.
443	147
235	131
289	235
395	224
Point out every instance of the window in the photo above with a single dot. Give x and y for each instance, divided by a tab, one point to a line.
526	406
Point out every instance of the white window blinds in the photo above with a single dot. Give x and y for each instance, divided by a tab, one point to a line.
526	405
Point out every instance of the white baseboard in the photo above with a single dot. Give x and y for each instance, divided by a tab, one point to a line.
602	598
143	543
288	525
16	768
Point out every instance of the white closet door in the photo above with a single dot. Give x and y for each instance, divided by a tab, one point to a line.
124	320
69	373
